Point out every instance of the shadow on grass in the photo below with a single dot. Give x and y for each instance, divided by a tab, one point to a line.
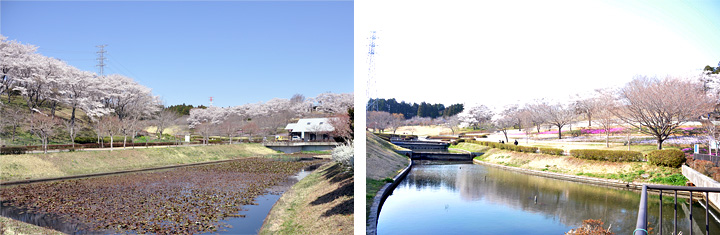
336	174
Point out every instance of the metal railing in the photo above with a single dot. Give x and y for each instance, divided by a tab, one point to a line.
642	224
714	159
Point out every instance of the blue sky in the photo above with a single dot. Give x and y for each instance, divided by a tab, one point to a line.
501	52
237	52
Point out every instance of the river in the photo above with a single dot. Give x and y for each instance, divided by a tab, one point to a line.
463	198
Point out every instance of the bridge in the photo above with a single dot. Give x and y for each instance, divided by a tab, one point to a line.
431	150
293	147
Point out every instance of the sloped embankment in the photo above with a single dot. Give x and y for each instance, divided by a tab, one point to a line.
321	203
382	161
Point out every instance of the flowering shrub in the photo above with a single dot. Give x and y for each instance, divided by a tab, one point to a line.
345	155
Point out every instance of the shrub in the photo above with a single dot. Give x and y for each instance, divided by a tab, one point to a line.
552	151
86	140
666	157
607	155
13	150
345	155
703	166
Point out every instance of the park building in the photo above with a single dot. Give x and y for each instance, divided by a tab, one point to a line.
310	129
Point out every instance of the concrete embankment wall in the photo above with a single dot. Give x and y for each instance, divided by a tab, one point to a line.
380	197
701	180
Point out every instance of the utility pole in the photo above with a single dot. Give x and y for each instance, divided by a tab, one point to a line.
101	59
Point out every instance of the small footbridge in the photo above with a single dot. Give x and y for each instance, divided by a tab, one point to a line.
430	150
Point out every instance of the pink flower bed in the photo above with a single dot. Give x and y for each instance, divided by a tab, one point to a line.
600	131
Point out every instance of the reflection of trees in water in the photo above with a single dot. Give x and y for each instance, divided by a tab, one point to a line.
568	202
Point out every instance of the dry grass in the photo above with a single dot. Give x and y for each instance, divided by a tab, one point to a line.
321	203
10	226
381	161
33	166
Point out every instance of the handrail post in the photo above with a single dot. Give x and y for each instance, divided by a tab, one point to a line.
641	225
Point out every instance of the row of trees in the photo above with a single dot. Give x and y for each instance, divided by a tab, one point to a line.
45	82
267	118
655	106
409	110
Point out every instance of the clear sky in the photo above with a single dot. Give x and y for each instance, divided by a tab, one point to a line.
236	51
501	52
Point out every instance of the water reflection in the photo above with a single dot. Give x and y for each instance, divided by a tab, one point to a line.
467	198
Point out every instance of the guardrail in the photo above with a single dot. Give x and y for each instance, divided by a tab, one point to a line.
714	159
642	224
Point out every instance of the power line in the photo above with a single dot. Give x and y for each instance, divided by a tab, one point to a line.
101	59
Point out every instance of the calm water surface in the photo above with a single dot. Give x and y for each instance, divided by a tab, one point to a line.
463	198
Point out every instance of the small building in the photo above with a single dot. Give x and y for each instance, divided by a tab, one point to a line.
311	129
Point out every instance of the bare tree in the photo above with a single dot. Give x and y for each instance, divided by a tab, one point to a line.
587	106
14	118
503	124
398	120
658	107
111	126
525	116
558	115
379	120
163	120
231	125
341	127
43	126
606	107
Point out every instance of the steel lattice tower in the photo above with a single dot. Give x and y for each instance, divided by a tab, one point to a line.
371	90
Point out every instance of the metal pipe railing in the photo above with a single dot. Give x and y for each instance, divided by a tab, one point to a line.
641	225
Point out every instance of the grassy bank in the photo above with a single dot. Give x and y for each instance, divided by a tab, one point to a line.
33	166
321	203
11	227
382	163
470	147
638	172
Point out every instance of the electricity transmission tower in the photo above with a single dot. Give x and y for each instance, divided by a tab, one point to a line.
211	99
101	59
371	90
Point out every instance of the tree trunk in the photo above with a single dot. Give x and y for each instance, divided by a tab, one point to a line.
628	140
506	138
559	132
124	140
111	142
230	139
607	139
52	109
14	131
589	120
659	144
72	128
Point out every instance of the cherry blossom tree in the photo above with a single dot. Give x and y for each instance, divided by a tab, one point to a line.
475	116
558	115
659	106
12	58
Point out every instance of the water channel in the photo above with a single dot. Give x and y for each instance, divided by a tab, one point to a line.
464	198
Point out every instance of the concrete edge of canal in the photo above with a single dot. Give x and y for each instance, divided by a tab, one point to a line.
380	197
